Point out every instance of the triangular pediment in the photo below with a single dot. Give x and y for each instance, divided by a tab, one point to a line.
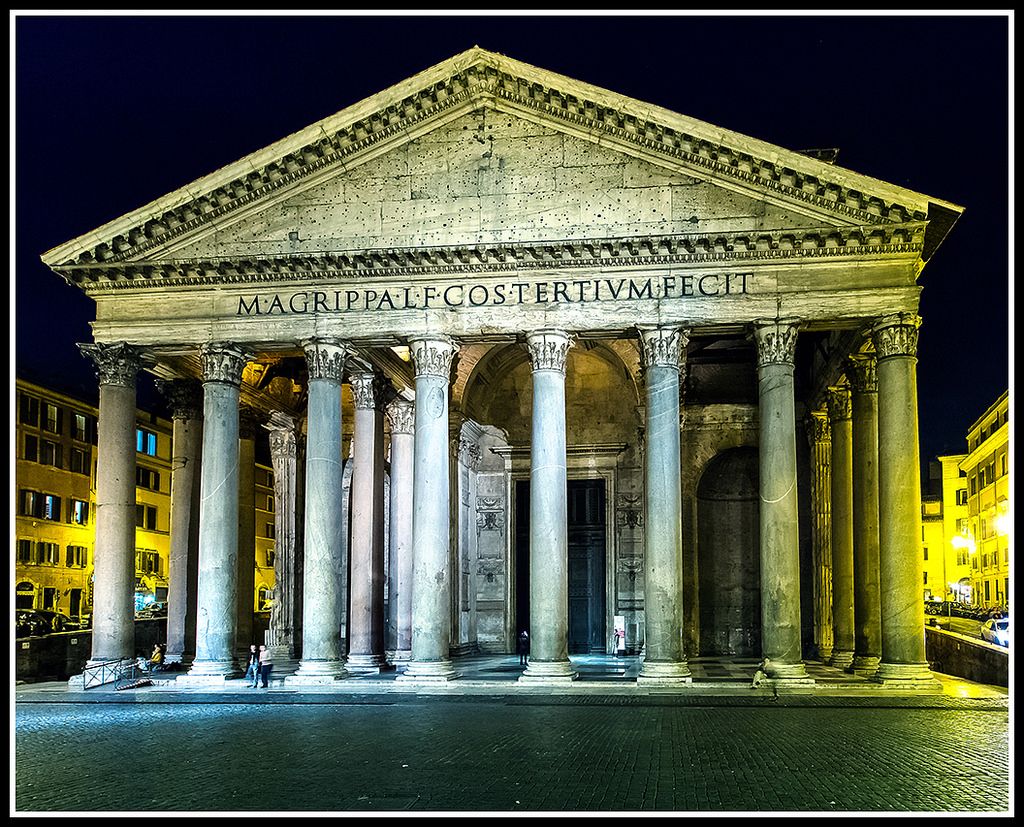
482	149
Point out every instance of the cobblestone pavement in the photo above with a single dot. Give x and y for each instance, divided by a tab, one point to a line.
531	753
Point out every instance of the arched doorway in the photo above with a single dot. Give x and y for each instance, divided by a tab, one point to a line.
729	569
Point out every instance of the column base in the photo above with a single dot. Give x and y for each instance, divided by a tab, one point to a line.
665	673
198	680
429	671
400	657
907	676
824	653
317	672
778	672
864	665
367	664
225	668
548	672
841	659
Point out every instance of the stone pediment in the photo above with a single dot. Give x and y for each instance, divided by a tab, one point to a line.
482	157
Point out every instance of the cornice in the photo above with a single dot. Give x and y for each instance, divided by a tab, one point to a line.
489	79
410	262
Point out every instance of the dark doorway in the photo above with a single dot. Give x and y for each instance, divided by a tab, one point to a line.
586	536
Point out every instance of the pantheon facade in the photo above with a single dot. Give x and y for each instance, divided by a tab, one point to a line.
529	354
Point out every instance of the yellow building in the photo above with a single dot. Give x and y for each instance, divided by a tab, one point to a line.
55	511
946	561
987	468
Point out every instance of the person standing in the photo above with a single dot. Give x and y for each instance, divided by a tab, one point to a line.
523	646
266	665
252	671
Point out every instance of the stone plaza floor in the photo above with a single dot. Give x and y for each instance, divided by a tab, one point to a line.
485	743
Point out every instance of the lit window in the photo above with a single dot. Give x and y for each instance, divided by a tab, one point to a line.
78	512
51	507
52	421
80	426
145	442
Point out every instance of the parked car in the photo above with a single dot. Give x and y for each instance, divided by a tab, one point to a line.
996	630
33	622
152	610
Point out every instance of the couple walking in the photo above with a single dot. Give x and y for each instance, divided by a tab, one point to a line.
260	665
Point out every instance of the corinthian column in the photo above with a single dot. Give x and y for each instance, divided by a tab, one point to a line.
431	584
185	397
217	613
899	504
113	610
286	610
780	550
860	370
322	597
402	416
820	436
665	660
366	619
549	541
843	600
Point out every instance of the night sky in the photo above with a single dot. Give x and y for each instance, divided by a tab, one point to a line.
113	112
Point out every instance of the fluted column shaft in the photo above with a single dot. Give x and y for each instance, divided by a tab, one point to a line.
322	597
899	502
866	574
402	416
366	620
665	659
185	397
843	591
217	615
780	551
549	541
113	608
285	615
820	436
431	584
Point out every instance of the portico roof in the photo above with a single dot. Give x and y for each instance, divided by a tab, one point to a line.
478	78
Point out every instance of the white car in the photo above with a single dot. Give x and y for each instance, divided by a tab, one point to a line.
996	630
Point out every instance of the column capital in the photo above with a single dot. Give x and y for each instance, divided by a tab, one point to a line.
776	341
325	358
549	349
896	335
819	429
185	396
663	346
117	363
223	362
402	416
371	390
432	356
839	403
861	370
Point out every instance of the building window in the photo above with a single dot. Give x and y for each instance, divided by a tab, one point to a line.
147	562
80	426
961	496
25	551
926	555
29	410
78	512
31	452
265	598
79	461
145	517
145	442
1002	465
53	419
77	557
987	595
270	503
926	578
50	453
270	558
974	485
47	554
147	478
268	531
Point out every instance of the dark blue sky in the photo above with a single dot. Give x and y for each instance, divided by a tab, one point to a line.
112	112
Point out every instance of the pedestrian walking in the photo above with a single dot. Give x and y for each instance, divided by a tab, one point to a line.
266	665
252	670
523	646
